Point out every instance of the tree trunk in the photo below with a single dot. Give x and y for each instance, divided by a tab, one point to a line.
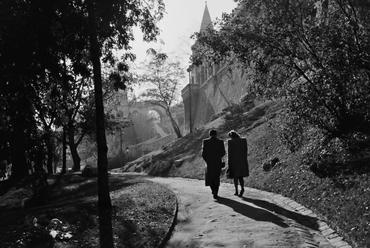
174	124
49	164
64	152
18	143
73	148
104	201
50	152
75	157
18	148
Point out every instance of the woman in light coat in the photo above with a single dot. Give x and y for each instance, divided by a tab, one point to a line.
237	160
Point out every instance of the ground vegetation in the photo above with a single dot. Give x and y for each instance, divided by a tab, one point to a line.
68	217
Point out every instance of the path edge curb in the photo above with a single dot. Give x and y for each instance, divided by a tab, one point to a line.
326	231
332	236
168	235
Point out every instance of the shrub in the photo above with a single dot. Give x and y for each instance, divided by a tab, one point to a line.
270	164
90	171
290	131
233	116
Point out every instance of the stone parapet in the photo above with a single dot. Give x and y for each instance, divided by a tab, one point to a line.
186	90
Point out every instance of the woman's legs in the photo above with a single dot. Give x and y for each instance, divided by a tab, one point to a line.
236	185
241	181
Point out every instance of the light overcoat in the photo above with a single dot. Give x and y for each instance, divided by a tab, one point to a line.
238	157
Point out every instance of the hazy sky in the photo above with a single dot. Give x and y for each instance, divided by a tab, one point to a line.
181	20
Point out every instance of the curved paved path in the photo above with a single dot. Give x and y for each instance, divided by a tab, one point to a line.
256	220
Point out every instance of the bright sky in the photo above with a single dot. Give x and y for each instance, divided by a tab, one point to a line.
181	20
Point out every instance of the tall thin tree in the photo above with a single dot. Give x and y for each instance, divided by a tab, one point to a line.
104	201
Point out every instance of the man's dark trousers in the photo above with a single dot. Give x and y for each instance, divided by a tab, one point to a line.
214	189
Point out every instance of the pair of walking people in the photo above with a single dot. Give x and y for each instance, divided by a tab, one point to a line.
212	152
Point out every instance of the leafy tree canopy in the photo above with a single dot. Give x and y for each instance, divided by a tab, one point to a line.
315	54
163	79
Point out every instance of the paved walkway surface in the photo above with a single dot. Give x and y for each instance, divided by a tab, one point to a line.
258	219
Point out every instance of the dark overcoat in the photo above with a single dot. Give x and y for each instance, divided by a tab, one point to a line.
212	152
238	157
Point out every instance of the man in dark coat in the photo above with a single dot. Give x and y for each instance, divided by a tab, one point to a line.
212	152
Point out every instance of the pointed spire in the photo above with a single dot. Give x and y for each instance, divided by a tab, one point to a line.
206	21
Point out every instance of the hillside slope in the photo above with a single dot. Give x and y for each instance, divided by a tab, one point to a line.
343	199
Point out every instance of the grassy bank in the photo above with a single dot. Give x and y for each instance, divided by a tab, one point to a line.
343	199
142	214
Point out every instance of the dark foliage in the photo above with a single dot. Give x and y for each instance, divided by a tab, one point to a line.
49	52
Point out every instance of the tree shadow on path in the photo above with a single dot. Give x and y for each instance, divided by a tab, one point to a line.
257	214
304	220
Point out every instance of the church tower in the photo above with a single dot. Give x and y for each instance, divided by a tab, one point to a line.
206	20
197	76
212	86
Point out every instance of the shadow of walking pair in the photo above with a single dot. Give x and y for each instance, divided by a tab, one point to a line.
268	212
